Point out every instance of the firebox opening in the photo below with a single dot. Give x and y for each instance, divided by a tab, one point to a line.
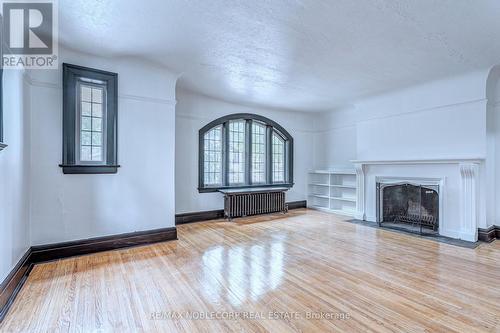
411	207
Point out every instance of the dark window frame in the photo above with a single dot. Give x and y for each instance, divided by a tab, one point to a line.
71	75
271	126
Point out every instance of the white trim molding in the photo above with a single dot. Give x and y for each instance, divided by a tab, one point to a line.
448	160
172	102
46	84
403	113
360	191
469	200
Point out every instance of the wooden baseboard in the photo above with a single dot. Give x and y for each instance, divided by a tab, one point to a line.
489	234
93	245
13	283
297	204
199	216
219	214
10	287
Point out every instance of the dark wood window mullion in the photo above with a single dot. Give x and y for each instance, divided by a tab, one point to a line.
289	161
225	154
201	162
285	160
248	151
269	154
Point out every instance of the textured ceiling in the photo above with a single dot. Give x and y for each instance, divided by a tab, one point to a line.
302	55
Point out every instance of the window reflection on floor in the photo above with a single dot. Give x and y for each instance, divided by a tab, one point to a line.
249	272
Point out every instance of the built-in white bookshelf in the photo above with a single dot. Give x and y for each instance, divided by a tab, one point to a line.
333	191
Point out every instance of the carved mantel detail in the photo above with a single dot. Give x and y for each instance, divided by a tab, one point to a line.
360	193
468	199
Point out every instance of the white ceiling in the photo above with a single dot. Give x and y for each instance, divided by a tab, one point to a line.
295	54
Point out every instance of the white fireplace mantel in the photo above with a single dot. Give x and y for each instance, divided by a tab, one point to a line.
464	170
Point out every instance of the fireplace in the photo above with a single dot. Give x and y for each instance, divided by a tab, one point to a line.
457	183
411	205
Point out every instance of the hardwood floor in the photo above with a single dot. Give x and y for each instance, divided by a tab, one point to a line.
268	274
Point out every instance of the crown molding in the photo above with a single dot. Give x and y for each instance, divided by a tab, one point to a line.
44	84
450	160
165	101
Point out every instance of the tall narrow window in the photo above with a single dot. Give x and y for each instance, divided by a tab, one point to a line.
236	174
278	153
90	111
213	157
258	153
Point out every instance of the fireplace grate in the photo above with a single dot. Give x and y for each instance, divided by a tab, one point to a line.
405	204
426	221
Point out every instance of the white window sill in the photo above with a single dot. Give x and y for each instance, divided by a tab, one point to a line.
2	146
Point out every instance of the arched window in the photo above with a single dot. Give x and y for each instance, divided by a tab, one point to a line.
244	150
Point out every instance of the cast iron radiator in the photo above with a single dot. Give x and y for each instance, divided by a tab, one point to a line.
246	202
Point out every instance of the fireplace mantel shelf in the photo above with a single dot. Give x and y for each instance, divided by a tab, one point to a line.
453	160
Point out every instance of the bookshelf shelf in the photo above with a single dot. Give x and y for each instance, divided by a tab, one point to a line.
333	191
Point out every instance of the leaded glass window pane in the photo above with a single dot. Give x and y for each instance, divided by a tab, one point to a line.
278	155
91	108
236	172
258	153
213	157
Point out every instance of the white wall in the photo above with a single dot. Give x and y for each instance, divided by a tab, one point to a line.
195	111
14	172
141	195
493	147
494	195
334	138
445	118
